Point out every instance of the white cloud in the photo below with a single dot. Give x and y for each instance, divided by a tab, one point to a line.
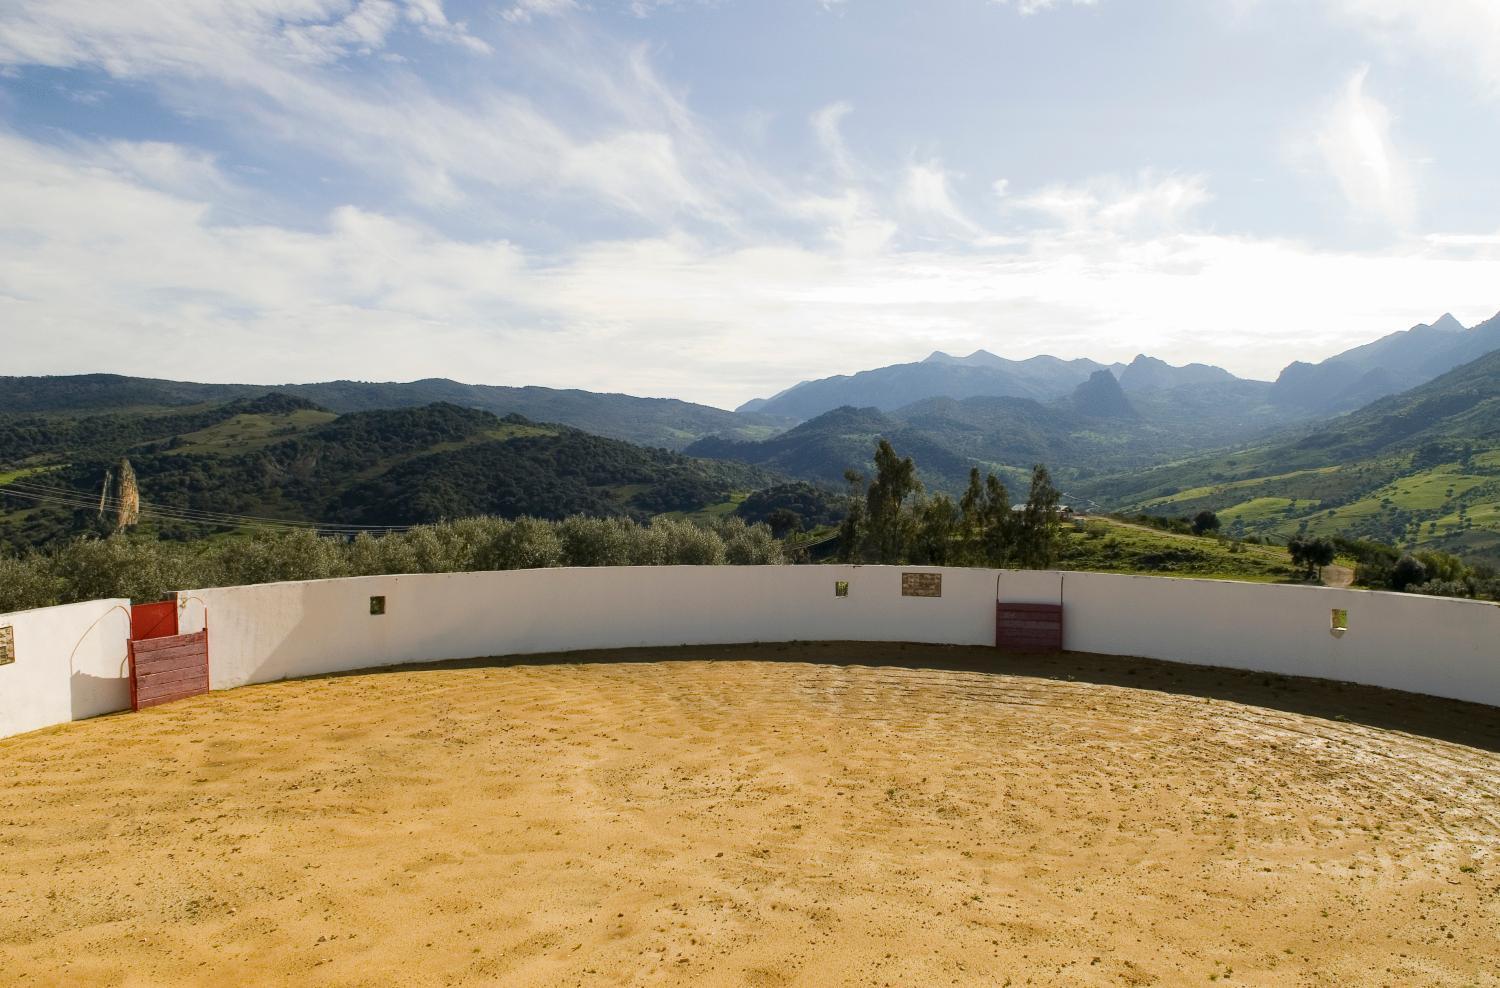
432	21
1110	205
928	204
102	268
242	42
1464	32
1359	151
267	63
1029	7
527	10
827	126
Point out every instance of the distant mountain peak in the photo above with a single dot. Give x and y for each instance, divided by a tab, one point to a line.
1145	373
1102	397
1447	324
979	358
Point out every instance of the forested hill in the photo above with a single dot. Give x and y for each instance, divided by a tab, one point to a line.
284	458
665	422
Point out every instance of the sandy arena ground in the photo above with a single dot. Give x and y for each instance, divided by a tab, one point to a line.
879	815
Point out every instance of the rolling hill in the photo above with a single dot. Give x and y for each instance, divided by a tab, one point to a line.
664	422
281	457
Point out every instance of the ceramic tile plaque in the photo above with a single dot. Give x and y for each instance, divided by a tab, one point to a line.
7	645
921	584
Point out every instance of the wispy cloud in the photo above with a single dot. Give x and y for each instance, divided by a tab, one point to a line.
100	250
1029	7
526	10
1360	153
826	124
1149	203
928	202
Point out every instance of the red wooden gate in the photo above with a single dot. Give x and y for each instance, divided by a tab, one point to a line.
164	665
153	620
1029	627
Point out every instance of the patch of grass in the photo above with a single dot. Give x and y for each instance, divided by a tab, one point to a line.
712	512
517	430
7	477
246	432
1107	546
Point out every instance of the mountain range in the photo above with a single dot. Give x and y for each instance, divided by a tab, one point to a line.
664	422
1389	365
1392	364
1277	457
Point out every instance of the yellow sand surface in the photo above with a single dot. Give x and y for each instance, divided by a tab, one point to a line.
812	815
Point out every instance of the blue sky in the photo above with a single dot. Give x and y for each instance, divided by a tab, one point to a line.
714	199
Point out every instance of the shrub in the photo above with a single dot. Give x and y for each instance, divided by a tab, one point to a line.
526	543
1442	588
596	541
27	583
1408	571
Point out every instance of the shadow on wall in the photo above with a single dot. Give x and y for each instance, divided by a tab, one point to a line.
92	696
1473	725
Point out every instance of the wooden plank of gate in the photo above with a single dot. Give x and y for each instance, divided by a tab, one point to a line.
1028	627
169	668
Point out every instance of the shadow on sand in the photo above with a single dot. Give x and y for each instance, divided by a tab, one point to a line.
1474	725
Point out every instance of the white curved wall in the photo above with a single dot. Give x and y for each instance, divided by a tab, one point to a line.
277	630
71	659
1429	645
70	663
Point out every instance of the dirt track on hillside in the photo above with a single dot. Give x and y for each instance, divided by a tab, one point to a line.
1066	820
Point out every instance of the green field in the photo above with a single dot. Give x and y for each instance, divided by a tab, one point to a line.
251	431
1407	500
11	476
1108	546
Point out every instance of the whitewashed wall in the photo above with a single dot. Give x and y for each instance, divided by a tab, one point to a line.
70	663
1434	645
1428	645
293	629
72	660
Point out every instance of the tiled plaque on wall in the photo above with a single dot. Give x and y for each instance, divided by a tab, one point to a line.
921	584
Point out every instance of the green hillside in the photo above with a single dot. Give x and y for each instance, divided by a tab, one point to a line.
1417	469
1109	545
665	422
283	458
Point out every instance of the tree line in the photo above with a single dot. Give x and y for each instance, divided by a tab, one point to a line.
144	569
891	519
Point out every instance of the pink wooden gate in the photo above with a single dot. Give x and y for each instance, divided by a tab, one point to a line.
1029	627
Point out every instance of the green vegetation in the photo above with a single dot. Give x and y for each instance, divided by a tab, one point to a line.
799	507
145	569
892	520
1420	470
1383	567
279	458
663	422
1111	545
